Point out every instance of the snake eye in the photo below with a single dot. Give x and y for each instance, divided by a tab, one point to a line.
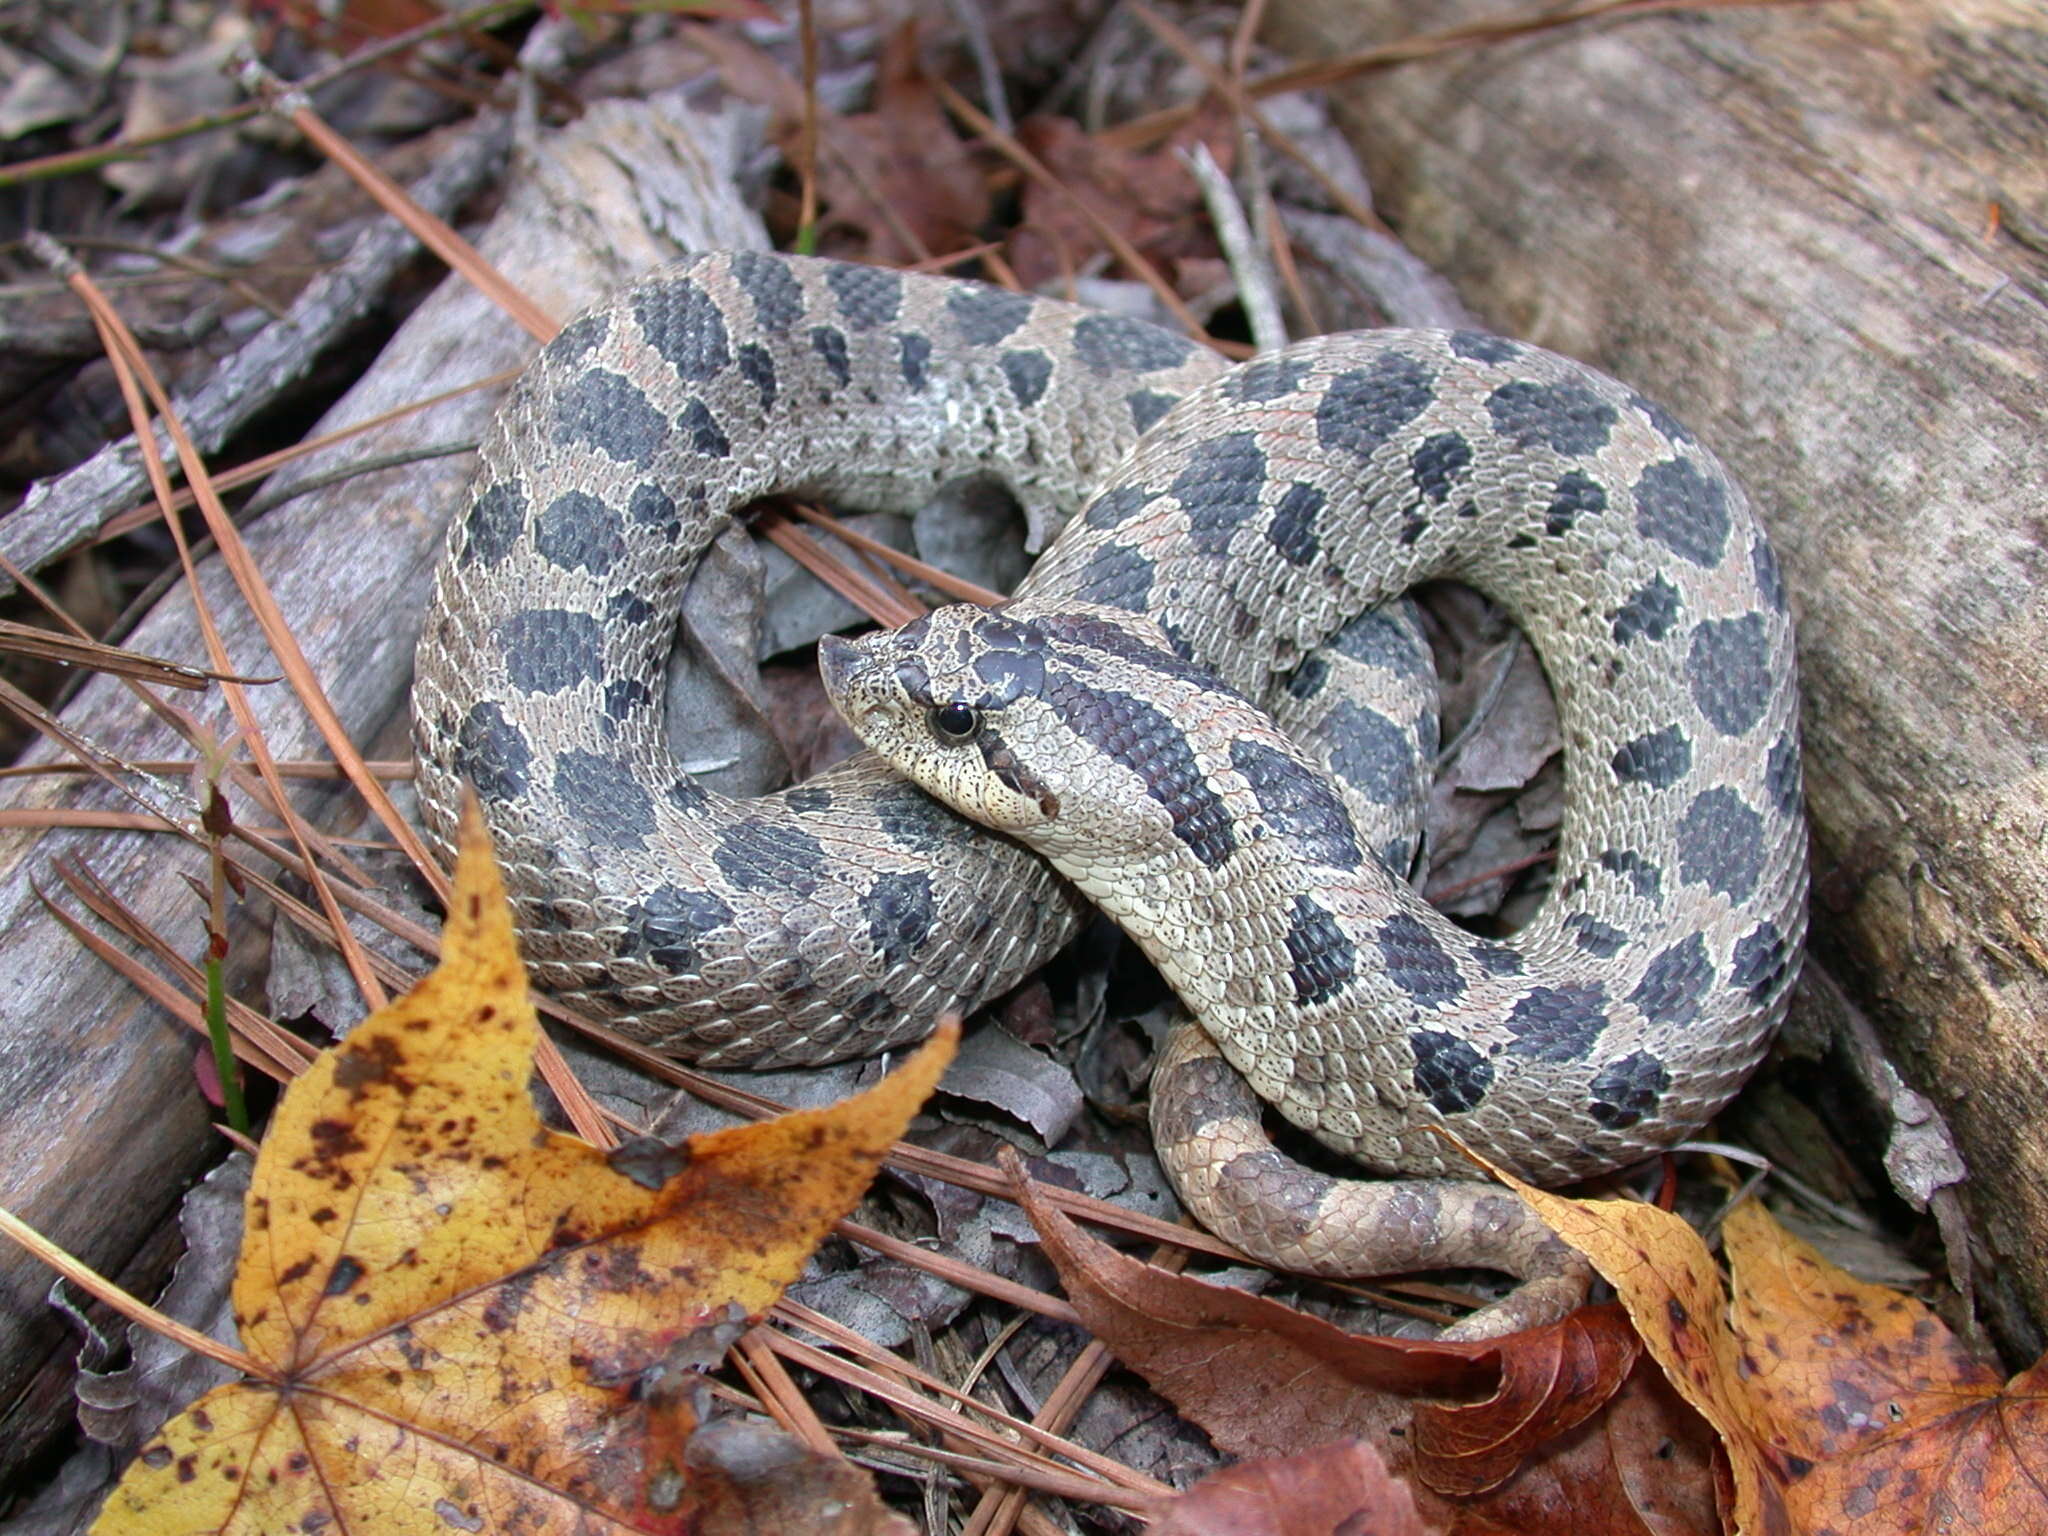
955	722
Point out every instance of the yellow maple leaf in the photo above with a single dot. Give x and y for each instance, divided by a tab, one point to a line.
467	1321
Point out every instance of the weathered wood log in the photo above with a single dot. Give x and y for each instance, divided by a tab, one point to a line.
101	1123
1821	236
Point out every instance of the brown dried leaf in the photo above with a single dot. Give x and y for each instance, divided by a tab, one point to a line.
1570	1441
1343	1487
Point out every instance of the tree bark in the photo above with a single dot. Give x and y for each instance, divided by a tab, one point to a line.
1819	234
101	1121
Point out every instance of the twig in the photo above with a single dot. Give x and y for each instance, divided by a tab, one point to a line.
1248	266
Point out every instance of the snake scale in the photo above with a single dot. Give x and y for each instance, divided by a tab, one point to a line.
1235	526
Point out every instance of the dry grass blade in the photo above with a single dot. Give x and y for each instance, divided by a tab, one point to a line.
930	575
435	234
164	808
287	768
1007	146
133	372
257	468
27	640
858	588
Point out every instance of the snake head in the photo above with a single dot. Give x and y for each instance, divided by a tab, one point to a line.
946	700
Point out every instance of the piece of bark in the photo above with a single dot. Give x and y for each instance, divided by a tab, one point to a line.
101	1123
1820	235
61	513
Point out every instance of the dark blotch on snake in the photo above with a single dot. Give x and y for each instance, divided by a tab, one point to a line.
1720	844
1363	409
1119	344
549	649
899	911
914	819
1113	508
867	296
1659	759
1298	805
625	696
582	335
1684	510
1293	528
1729	672
767	280
1386	638
1770	581
1028	372
755	854
493	754
1674	982
1145	741
1008	674
1219	488
1439	464
1449	1072
1565	417
669	925
604	798
1625	1091
1321	959
1577	495
808	798
829	342
1646	878
757	367
627	608
610	414
1558	1023
1417	963
684	325
495	520
1264	379
1484	347
1147	406
1667	425
1649	612
1781	775
1116	576
913	357
1371	753
1497	959
986	315
579	532
1600	940
1761	962
700	429
652	507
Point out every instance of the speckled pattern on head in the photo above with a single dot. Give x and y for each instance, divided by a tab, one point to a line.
1255	522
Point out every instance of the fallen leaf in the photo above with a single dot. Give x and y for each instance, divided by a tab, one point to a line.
468	1320
1336	1488
1842	1405
900	174
1544	1431
753	1480
1150	198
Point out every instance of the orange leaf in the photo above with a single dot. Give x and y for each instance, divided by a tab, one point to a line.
473	1321
1841	1405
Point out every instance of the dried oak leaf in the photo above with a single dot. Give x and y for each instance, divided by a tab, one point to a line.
1337	1488
466	1320
1559	1429
1842	1406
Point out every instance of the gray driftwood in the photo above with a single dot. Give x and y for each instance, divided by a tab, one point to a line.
1820	234
100	1122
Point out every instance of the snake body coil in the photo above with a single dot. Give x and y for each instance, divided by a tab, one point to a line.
1254	521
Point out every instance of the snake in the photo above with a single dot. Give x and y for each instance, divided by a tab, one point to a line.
1233	536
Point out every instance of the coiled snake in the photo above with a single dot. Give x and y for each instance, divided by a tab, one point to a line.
1264	509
